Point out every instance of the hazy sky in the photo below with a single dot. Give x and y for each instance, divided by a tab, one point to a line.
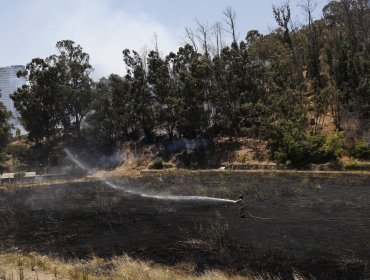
30	28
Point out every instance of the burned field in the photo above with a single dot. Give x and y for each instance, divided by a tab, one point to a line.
316	223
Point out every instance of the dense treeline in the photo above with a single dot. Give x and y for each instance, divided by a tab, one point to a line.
286	87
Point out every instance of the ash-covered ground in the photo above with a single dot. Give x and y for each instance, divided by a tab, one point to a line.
316	223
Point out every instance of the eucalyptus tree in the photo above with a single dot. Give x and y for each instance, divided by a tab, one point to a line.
58	93
74	69
282	16
39	102
347	56
163	85
186	74
5	126
238	79
110	117
141	100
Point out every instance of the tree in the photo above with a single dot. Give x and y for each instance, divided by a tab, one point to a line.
282	16
110	118
5	126
163	86
74	68
347	57
188	76
141	101
230	20
203	34
238	79
40	100
58	94
313	63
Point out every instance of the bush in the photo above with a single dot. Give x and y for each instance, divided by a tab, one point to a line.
167	165
67	169
20	174
361	150
21	152
286	142
2	156
53	158
290	145
335	144
355	165
156	164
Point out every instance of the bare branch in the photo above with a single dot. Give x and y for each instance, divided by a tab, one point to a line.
230	15
191	37
203	36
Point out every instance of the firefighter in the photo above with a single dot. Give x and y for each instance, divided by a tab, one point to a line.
242	206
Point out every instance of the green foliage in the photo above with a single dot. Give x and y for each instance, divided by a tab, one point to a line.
190	72
141	101
5	126
39	101
291	146
74	69
355	165
361	150
58	93
2	158
282	87
335	144
288	143
238	79
20	174
18	151
112	115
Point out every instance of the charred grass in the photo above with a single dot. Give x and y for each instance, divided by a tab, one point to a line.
320	226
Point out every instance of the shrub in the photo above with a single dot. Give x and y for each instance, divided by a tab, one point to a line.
156	164
361	150
67	169
335	144
2	156
21	152
53	158
355	165
20	174
285	143
318	153
167	165
290	145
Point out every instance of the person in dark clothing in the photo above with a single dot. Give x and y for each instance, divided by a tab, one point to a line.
242	206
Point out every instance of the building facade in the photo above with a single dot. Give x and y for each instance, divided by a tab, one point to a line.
9	83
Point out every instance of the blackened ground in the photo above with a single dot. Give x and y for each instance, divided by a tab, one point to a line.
315	223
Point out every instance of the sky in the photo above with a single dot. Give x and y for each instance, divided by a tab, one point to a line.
31	28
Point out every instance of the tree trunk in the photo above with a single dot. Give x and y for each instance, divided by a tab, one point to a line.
78	127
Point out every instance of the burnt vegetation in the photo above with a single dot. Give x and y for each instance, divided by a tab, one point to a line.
307	223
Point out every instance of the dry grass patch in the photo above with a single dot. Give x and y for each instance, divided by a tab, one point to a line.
15	266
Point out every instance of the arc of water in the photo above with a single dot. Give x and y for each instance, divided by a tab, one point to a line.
147	195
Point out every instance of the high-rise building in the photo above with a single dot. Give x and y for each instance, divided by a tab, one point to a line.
9	82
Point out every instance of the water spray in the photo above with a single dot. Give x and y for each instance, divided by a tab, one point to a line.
76	161
147	195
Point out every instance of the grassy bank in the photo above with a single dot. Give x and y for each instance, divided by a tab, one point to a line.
33	266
